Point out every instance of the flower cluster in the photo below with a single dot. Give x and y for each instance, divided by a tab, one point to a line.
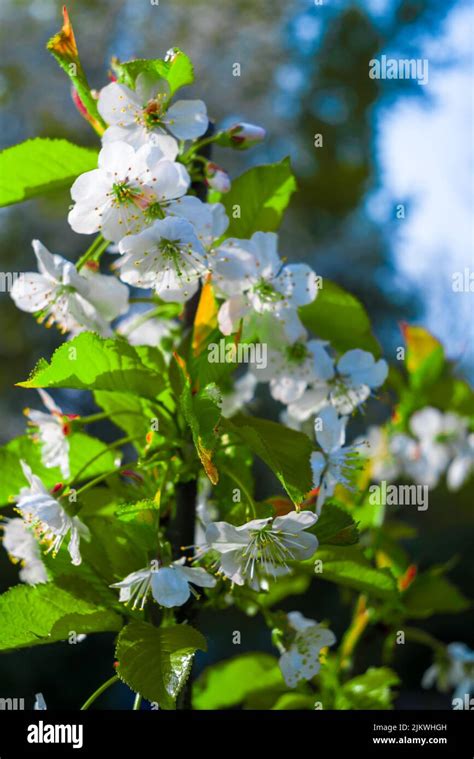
438	443
142	205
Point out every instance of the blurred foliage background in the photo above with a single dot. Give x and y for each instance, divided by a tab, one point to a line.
304	71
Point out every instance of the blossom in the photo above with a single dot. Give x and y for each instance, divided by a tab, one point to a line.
262	545
315	397
301	660
74	301
48	518
167	257
217	178
294	366
251	274
335	463
146	116
52	431
345	387
169	585
455	671
444	443
243	135
358	374
126	191
209	220
21	545
425	454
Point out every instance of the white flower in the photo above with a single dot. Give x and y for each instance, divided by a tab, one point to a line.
122	195
444	443
241	394
314	398
335	464
425	456
359	373
345	387
253	275
293	367
169	585
456	671
301	661
262	545
209	220
74	301
52	431
20	544
48	518
167	257
145	115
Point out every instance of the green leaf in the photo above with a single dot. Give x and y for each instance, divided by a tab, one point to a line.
201	412
156	662
335	527
431	593
286	451
347	565
230	682
82	449
178	72
116	548
262	194
91	362
292	701
372	690
142	520
41	165
81	581
45	613
338	316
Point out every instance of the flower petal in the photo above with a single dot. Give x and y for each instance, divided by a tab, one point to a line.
169	587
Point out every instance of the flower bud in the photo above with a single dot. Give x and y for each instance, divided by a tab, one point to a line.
217	178
245	135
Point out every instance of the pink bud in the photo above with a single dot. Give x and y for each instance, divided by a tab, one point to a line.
245	135
217	178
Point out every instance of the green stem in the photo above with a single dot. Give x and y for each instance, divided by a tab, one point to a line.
99	692
198	145
420	636
360	620
94	251
141	319
104	476
137	703
239	482
104	415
